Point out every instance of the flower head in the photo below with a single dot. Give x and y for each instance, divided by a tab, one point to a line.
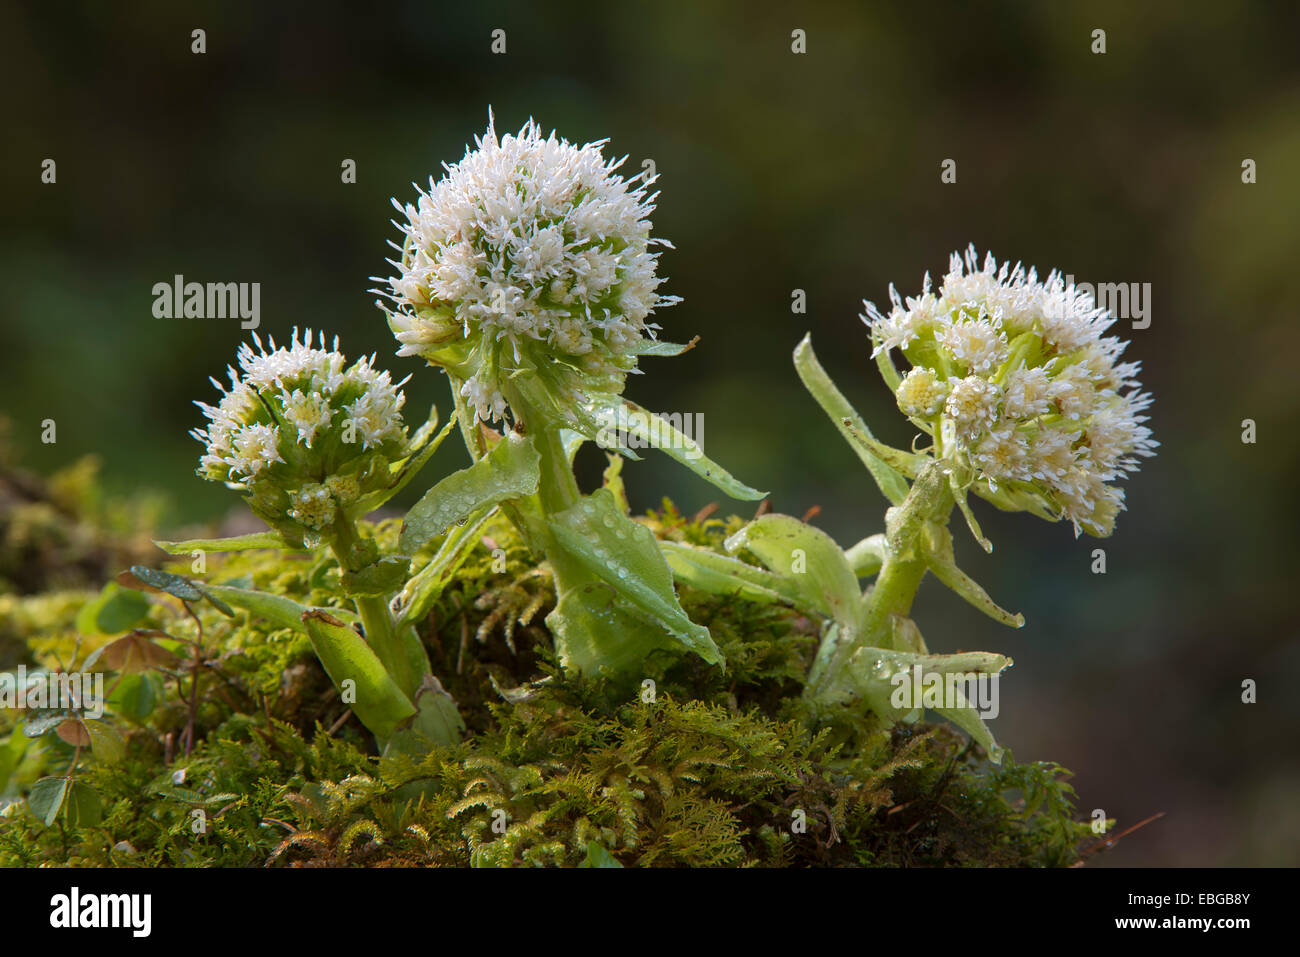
529	262
302	433
1022	392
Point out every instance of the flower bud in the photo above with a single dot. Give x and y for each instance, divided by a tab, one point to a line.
921	394
302	434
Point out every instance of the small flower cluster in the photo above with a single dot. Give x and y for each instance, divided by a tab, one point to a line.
302	433
1019	387
530	254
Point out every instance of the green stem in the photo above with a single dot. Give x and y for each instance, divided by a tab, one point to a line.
557	489
929	500
893	594
399	649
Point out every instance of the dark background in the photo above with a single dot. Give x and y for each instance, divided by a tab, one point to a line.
778	171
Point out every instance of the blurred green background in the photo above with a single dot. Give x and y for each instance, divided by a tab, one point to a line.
778	171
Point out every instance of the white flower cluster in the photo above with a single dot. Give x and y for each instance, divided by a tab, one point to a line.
300	430
531	243
1017	383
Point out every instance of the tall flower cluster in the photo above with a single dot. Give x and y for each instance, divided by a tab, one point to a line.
1020	389
531	257
303	433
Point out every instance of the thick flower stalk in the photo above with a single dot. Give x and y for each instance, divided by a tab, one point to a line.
527	273
1025	402
313	443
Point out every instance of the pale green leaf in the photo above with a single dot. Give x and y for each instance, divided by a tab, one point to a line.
887	475
596	535
937	547
237	543
720	575
425	586
655	347
810	559
372	695
617	414
868	556
508	471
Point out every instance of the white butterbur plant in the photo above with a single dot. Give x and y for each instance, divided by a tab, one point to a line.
528	274
1025	402
314	444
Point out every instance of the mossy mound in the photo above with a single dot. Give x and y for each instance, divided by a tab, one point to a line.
694	766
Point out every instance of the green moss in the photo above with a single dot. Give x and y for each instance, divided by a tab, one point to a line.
703	768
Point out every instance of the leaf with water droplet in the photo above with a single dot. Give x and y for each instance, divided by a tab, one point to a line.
640	583
873	674
659	434
509	471
144	578
810	560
